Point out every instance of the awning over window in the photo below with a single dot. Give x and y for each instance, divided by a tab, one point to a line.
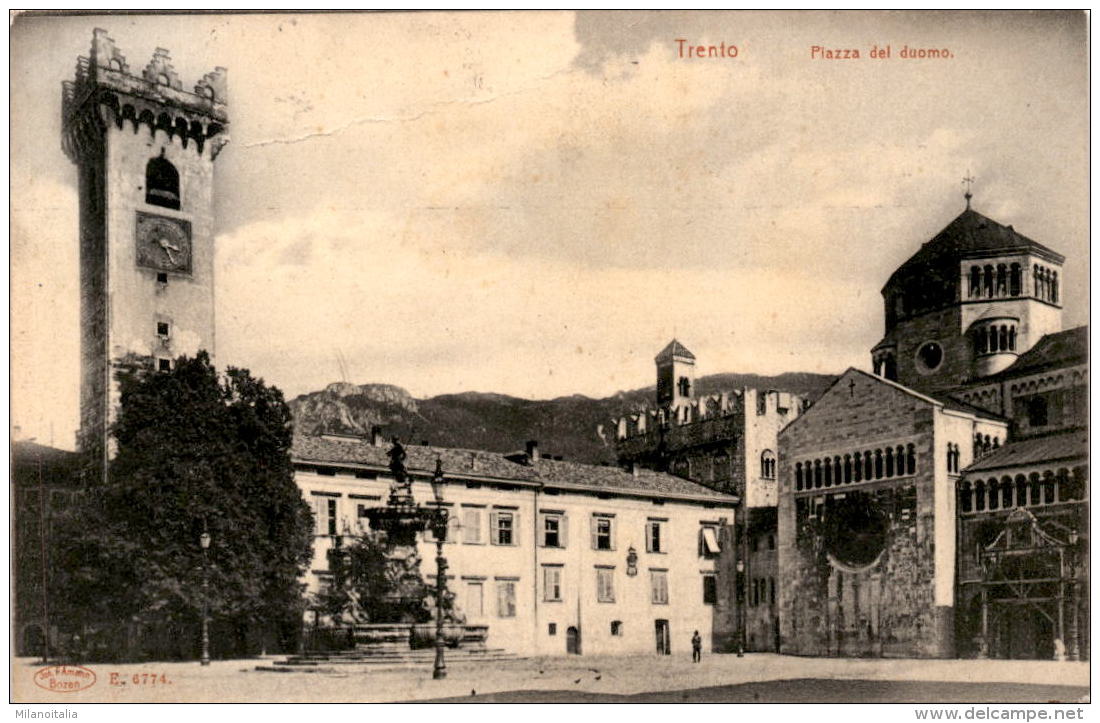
710	541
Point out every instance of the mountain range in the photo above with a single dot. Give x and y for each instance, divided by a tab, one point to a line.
565	426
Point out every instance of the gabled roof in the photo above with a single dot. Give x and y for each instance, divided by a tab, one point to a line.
478	464
674	349
941	401
1072	444
1053	351
972	235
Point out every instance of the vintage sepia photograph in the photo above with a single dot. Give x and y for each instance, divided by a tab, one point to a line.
550	357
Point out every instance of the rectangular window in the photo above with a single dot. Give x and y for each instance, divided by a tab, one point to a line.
553	531
504	527
475	599
655	536
552	629
603	533
551	583
162	329
771	589
605	584
708	541
710	590
659	586
471	525
164	365
324	514
506	598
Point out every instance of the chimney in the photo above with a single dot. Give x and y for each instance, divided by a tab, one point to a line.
375	435
532	451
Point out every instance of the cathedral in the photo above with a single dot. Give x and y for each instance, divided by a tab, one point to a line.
939	507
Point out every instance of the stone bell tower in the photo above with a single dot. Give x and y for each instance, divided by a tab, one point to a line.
144	148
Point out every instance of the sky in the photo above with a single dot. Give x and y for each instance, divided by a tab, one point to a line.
535	203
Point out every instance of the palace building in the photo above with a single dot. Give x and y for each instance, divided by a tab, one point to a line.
555	557
939	506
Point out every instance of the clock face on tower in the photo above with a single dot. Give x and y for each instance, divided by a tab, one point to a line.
163	243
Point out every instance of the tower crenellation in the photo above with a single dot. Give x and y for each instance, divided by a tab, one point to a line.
106	87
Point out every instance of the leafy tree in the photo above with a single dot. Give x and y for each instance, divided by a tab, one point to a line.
195	452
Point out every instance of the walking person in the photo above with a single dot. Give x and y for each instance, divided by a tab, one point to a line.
696	647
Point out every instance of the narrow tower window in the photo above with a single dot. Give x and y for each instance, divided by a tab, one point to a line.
162	183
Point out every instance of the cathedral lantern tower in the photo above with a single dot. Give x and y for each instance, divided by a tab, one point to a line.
967	304
144	148
675	376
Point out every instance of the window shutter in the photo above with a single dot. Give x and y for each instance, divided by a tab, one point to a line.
493	539
592	523
649	537
611	531
515	528
563	531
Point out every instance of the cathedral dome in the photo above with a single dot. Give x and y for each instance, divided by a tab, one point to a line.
971	235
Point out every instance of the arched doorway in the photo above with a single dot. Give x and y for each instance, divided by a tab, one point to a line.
573	640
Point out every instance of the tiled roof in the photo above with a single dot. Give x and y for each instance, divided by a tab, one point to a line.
554	472
1053	351
956	405
1072	444
674	349
494	465
973	235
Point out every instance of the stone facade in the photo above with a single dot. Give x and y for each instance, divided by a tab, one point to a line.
894	595
973	279
146	233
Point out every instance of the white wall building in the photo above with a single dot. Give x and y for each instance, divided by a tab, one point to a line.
540	549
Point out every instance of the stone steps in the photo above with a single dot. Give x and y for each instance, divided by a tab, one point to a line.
360	661
382	658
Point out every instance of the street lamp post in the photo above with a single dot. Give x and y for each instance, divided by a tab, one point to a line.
439	524
204	543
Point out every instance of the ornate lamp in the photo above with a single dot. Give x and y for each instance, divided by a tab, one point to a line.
204	543
439	527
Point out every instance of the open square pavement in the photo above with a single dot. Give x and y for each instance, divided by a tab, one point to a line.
718	678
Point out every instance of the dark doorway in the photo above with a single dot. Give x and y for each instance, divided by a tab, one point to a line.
33	641
573	640
664	646
1025	633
